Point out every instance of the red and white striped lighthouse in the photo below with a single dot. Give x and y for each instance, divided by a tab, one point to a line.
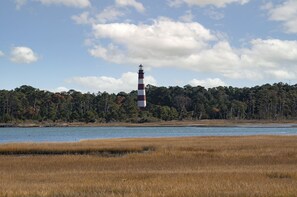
141	101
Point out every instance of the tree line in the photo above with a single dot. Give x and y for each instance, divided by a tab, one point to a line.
26	103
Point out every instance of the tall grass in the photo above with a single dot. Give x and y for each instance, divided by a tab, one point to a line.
33	150
198	166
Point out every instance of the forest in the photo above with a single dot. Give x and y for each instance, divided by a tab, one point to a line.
267	102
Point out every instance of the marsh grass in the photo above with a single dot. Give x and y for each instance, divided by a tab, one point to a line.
23	150
279	175
198	166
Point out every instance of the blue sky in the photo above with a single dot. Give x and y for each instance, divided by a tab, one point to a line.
92	45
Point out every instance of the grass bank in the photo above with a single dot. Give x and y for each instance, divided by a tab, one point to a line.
196	166
174	123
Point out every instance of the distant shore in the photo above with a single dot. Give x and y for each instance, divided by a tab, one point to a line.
183	123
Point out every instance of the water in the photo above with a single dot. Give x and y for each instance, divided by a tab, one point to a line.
73	134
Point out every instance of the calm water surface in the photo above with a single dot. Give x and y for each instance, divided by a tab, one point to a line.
73	134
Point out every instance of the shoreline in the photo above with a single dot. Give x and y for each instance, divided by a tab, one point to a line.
175	123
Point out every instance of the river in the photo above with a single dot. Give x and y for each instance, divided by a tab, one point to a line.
74	134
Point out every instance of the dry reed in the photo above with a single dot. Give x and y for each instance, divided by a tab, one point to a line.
193	166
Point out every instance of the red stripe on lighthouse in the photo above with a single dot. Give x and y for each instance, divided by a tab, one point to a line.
140	86
141	97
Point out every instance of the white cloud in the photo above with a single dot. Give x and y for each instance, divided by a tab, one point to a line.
83	18
20	3
132	3
168	43
157	44
272	52
214	14
126	83
217	3
23	55
208	83
60	89
285	13
271	58
1	54
70	3
107	15
188	17
281	74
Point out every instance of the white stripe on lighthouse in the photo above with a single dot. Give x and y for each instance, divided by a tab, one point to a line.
141	92
140	81
141	103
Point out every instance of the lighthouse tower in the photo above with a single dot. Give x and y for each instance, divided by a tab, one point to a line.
141	101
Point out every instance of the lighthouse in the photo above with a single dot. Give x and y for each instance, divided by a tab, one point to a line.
141	99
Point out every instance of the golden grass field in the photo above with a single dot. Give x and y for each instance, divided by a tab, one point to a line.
192	166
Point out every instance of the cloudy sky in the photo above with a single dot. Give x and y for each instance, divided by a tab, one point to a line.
97	45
